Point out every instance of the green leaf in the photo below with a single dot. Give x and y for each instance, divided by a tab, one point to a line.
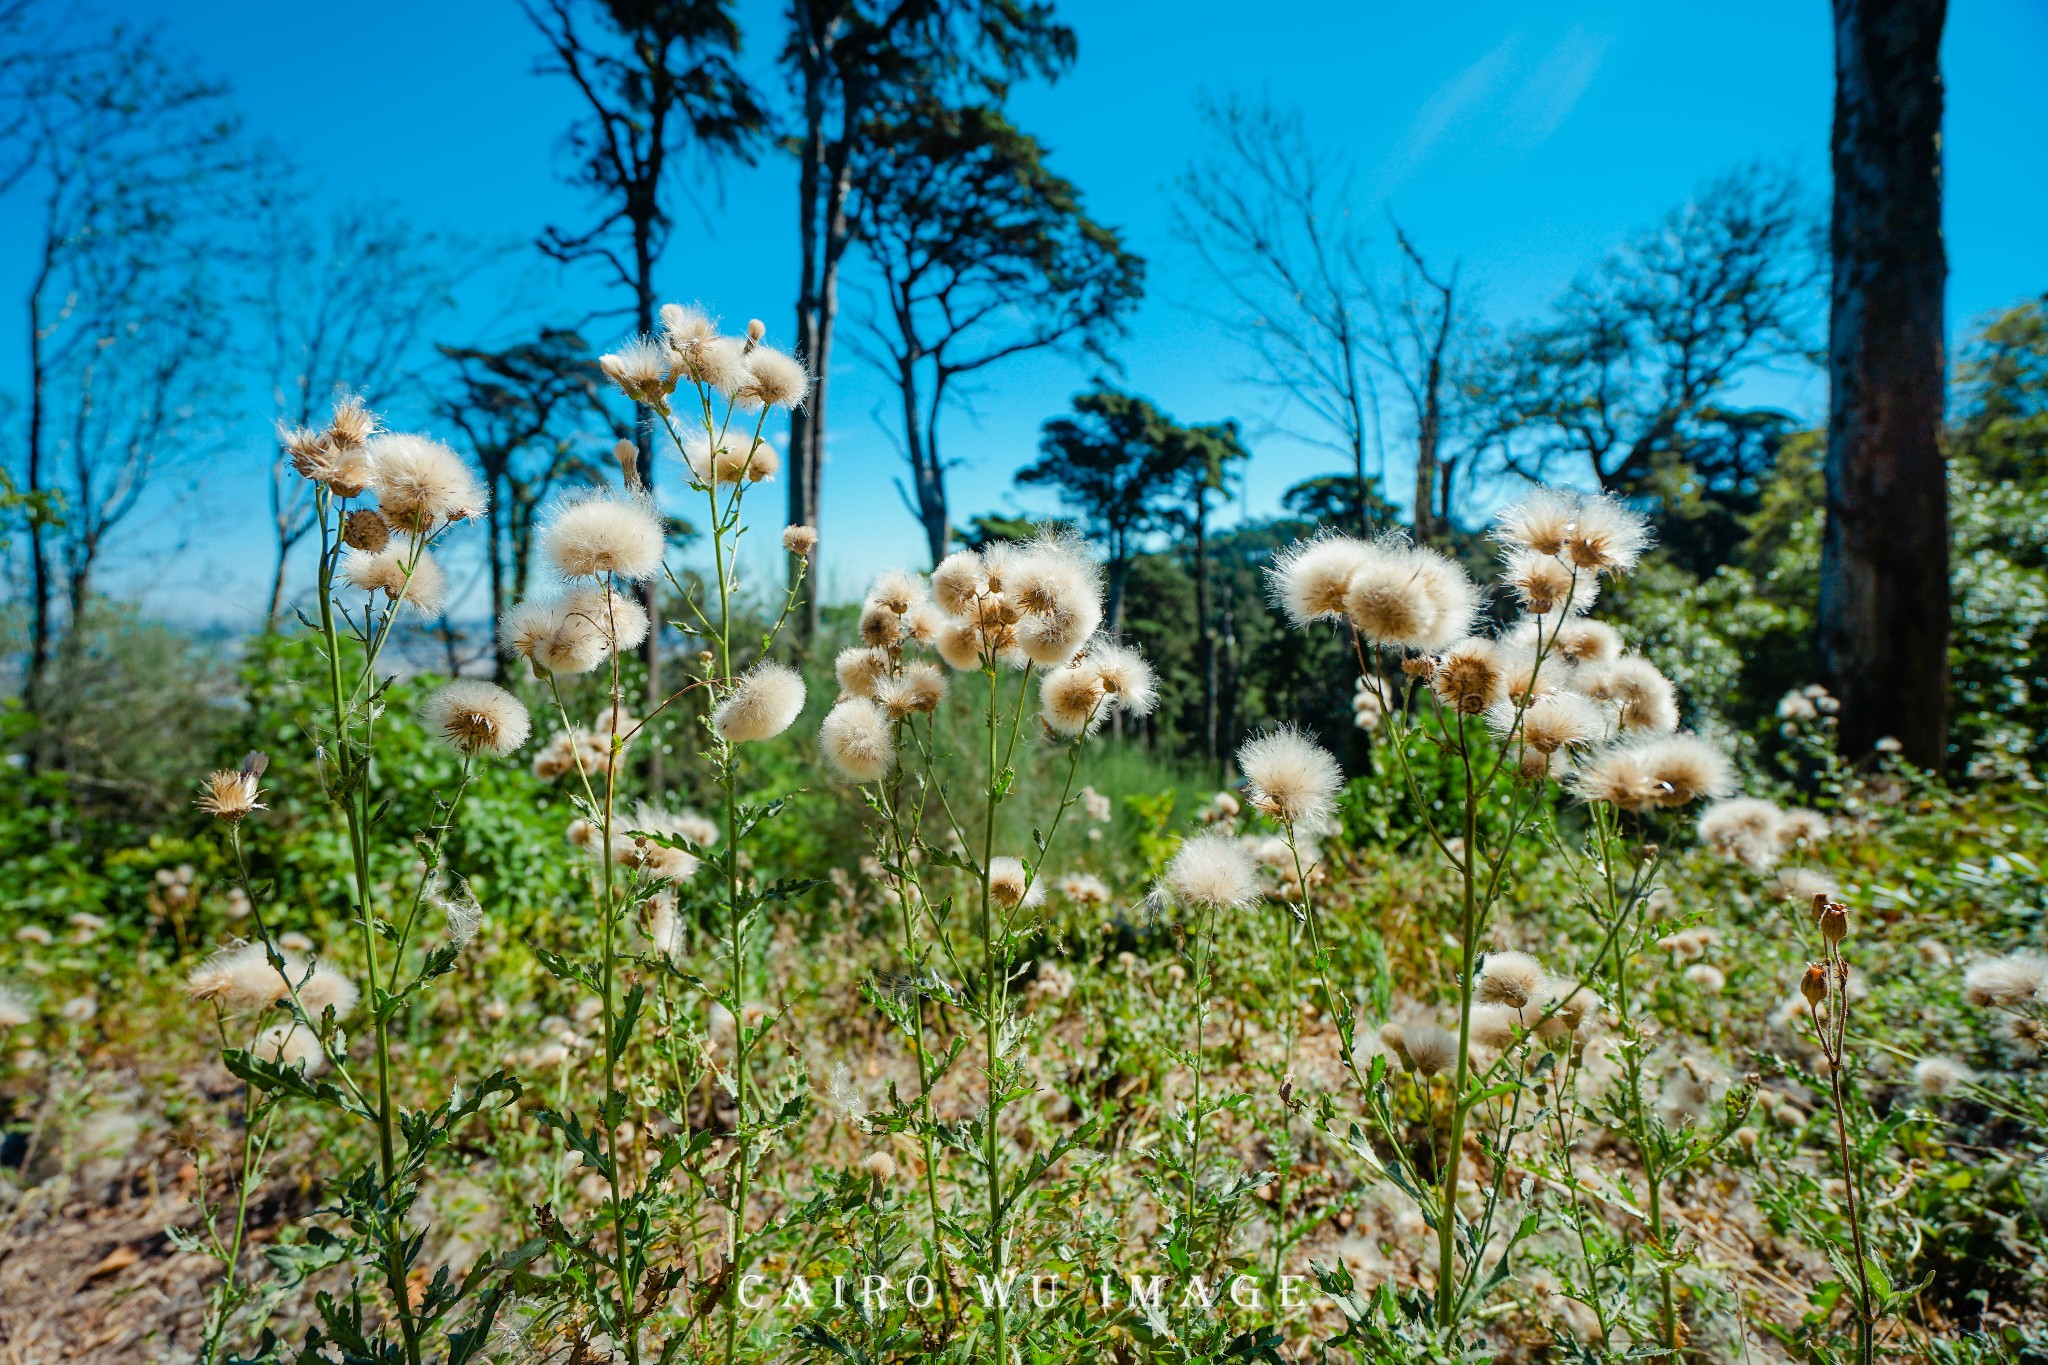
268	1075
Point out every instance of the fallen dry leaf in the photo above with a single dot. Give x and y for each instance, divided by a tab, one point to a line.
120	1258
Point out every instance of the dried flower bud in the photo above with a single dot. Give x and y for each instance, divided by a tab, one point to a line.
756	329
1813	986
308	449
352	424
1419	666
800	540
1834	922
365	529
628	456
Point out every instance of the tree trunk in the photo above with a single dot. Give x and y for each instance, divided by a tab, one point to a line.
806	424
284	550
1425	474
42	587
494	532
1202	627
1118	569
921	444
1884	594
643	436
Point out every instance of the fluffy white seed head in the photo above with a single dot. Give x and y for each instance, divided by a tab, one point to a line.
1057	588
1405	597
860	669
1540	522
957	581
553	638
959	644
1010	886
770	378
1606	537
735	458
618	619
1084	888
1070	699
640	368
1643	698
660	860
477	717
2007	982
1580	641
1743	829
761	705
1659	771
1495	1026
425	591
1707	977
684	326
243	978
1803	828
1213	871
1429	1049
920	687
422	483
1470	676
1309	578
1550	722
1937	1077
1511	979
1547	586
1051	639
897	589
293	1046
615	534
1566	1007
1293	779
856	740
1127	679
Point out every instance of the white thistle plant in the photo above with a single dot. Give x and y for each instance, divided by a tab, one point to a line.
711	395
1539	728
376	562
1015	615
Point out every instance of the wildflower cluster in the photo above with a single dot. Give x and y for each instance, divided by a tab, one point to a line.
1546	723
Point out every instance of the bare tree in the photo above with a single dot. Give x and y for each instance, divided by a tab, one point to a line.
125	162
1638	354
344	301
1884	594
983	254
847	59
529	413
1271	218
660	84
1420	328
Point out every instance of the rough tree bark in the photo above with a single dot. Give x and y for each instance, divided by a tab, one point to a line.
1884	594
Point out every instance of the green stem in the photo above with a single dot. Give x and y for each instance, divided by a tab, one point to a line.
1199	982
993	992
357	814
1447	1224
1292	1011
905	887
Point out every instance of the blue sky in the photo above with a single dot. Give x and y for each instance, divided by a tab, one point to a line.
1523	140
